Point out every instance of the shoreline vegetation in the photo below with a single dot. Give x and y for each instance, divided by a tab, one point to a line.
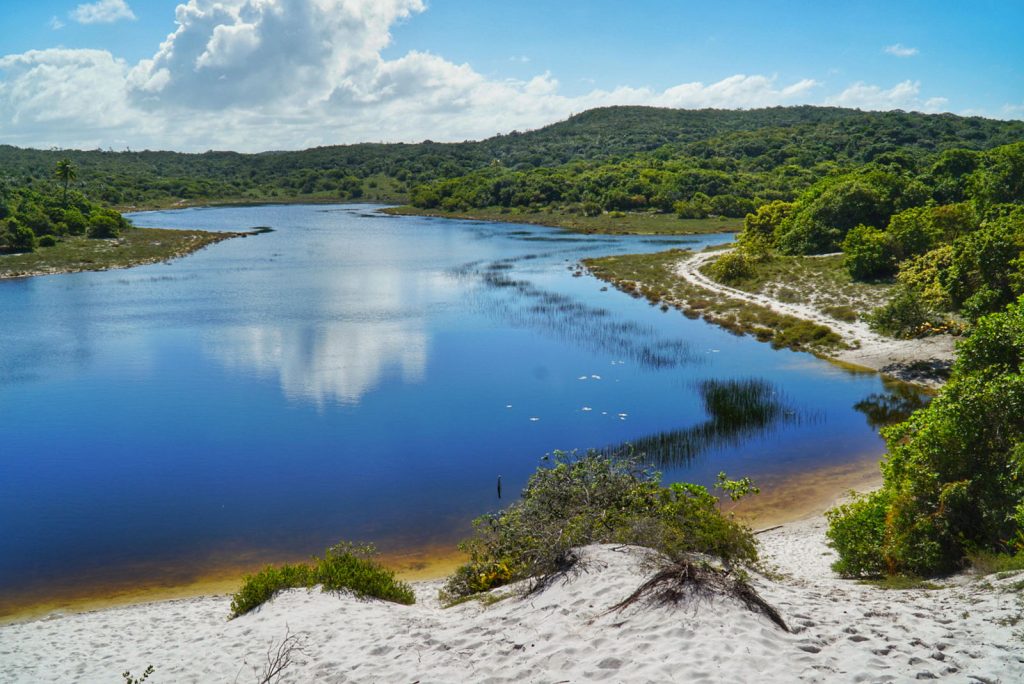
806	304
134	247
608	223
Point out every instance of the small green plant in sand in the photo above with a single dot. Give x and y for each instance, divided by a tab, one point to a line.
129	679
345	567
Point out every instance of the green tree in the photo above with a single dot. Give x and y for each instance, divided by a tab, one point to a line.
868	253
66	172
953	480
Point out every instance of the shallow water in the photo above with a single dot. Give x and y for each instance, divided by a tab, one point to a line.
357	376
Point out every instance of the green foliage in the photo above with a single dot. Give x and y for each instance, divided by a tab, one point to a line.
953	481
732	267
344	567
595	499
15	237
47	241
857	532
103	225
868	253
904	317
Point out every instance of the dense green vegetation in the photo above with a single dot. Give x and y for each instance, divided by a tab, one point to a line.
726	168
31	218
344	568
949	229
592	499
953	480
610	156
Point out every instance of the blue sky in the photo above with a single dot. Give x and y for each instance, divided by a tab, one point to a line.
272	74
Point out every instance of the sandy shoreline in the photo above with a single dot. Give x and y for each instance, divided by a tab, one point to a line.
840	631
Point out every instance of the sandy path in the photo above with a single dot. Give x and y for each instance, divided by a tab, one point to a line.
904	359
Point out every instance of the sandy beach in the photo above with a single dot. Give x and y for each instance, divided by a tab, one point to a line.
841	631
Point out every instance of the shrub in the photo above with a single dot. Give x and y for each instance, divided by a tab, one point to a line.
731	267
868	254
47	241
953	481
594	499
344	567
904	317
857	532
104	226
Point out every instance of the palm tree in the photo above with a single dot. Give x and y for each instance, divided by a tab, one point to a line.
66	172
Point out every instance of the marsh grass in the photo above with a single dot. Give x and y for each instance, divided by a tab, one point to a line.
619	223
737	410
344	567
652	277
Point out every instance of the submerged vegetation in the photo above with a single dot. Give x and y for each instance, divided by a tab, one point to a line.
737	410
344	567
653	277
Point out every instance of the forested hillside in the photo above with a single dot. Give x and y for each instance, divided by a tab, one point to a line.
611	157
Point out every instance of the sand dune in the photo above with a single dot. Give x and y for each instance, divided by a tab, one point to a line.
841	631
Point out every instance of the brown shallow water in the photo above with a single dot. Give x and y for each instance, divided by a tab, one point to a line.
781	500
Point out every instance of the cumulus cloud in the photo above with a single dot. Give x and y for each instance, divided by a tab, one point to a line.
275	74
900	50
102	12
905	95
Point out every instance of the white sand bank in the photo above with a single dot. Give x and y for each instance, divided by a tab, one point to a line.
842	631
915	361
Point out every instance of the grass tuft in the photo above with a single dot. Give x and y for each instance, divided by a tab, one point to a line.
345	567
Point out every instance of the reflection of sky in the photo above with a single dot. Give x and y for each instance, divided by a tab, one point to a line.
340	362
363	323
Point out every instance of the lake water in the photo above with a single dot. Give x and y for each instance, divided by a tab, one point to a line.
356	376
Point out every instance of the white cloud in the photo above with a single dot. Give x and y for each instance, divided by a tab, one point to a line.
56	24
905	95
102	12
900	50
285	74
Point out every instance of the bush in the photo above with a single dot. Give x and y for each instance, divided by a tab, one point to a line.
857	532
104	226
904	317
594	499
867	253
731	267
344	567
16	237
953	481
47	241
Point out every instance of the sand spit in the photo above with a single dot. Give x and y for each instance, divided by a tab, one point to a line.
920	361
842	631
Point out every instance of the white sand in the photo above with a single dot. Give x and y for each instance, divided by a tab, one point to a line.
901	359
842	631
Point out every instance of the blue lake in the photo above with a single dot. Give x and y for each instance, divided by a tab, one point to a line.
355	376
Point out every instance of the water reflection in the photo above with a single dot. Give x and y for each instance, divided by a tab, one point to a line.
341	362
524	304
738	410
893	405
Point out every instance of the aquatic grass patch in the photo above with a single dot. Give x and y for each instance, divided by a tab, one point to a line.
611	223
737	410
653	277
345	567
